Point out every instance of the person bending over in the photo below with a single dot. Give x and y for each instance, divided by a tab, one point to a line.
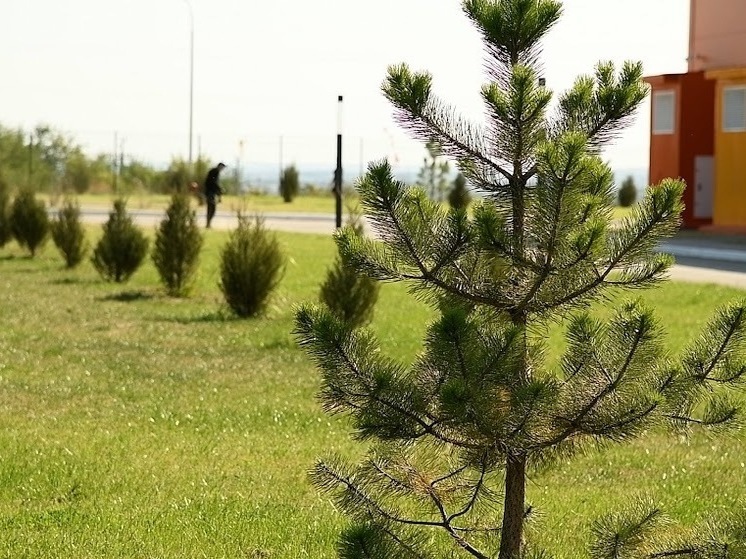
213	192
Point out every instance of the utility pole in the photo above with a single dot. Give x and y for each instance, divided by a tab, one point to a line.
338	172
191	78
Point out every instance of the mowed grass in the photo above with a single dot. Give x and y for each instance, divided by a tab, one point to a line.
137	425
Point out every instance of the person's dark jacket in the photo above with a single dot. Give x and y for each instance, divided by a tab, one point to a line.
212	187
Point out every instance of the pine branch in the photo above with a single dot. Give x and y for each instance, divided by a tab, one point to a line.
430	119
640	329
327	479
448	476
475	493
404	545
447	520
530	409
382	197
324	334
624	533
631	417
396	483
723	337
512	30
601	106
736	327
572	153
660	210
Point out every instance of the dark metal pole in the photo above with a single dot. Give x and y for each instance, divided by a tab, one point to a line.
30	157
338	173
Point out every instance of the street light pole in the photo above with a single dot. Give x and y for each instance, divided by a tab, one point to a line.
191	77
338	173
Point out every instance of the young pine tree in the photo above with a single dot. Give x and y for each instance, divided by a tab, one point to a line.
348	294
627	194
433	175
122	248
68	233
29	221
251	267
6	233
289	183
458	432
177	245
458	197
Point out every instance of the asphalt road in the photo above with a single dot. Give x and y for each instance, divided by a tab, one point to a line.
695	262
293	222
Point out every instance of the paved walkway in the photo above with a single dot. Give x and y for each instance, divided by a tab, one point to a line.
708	258
707	246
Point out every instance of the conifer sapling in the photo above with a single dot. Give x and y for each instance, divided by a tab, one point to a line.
122	248
29	221
251	267
459	431
349	295
68	233
178	242
6	233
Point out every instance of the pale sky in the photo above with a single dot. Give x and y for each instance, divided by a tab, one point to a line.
271	68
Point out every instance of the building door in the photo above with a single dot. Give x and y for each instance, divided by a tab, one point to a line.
704	177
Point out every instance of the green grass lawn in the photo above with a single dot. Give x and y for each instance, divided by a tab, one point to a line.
136	425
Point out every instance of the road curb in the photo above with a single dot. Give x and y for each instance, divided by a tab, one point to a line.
706	253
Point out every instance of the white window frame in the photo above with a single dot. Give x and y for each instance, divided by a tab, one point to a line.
725	121
658	96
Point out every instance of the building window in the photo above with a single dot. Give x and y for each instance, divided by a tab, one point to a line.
664	114
734	109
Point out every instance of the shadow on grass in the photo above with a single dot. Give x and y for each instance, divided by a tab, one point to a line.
206	317
128	296
72	281
23	259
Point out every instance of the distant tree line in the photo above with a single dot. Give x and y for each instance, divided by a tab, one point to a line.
49	161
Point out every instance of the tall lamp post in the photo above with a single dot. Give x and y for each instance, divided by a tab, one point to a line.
191	77
338	172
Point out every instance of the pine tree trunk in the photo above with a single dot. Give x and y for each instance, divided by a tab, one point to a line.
515	473
515	497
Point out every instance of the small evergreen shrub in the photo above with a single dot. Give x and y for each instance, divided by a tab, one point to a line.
122	248
251	266
289	183
459	197
6	234
349	295
68	233
29	221
177	246
627	194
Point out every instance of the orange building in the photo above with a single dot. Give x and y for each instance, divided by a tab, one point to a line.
698	119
